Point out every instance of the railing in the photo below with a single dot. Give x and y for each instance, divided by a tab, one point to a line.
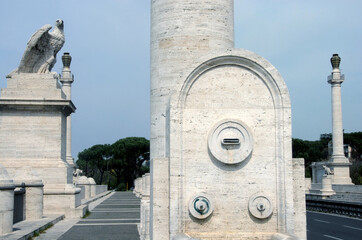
336	207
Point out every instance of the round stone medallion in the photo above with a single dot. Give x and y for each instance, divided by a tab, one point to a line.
260	206
230	141
200	206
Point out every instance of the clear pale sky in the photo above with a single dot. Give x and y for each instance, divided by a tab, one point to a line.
110	41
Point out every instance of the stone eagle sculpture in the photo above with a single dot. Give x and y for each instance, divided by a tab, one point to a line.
42	48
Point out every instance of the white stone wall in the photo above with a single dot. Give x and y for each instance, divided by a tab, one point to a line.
181	31
32	135
238	85
197	82
228	93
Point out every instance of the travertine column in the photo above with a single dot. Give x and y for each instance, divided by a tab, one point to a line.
67	80
336	80
181	33
339	162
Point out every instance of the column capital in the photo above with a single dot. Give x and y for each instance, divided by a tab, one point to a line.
67	77
66	81
336	77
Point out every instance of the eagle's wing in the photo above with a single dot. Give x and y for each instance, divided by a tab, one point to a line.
35	52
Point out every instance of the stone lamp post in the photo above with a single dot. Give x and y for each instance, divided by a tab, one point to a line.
338	161
67	79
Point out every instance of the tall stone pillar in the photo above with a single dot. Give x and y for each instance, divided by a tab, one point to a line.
181	31
67	79
338	161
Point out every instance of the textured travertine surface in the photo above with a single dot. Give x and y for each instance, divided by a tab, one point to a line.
300	219
242	86
32	86
7	201
92	187
83	181
222	93
29	178
145	208
197	83
181	31
33	134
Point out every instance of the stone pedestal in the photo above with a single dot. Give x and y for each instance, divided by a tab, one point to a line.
34	200
138	187
327	185
323	189
84	182
33	133
341	172
29	179
7	202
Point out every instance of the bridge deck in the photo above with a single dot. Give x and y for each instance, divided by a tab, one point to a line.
115	218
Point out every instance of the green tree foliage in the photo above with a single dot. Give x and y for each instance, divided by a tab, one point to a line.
311	151
355	141
116	165
316	151
94	161
129	154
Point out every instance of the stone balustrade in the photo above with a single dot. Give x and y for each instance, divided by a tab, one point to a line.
7	201
84	182
101	189
89	187
92	187
138	187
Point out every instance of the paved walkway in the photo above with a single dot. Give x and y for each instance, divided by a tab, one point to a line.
114	218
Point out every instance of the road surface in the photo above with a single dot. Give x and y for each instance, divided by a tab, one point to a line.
322	226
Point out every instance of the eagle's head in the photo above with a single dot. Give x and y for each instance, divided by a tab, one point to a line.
59	24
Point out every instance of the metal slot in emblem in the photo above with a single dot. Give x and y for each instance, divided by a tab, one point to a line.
231	141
